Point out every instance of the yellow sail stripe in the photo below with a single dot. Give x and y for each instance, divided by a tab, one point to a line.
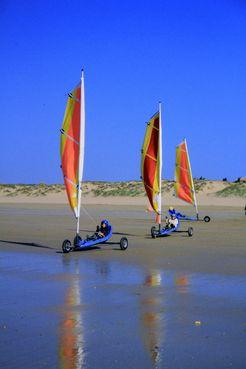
67	120
177	171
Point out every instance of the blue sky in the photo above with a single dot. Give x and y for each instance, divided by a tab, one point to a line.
190	55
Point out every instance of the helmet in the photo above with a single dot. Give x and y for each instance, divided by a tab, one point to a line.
171	208
173	216
105	221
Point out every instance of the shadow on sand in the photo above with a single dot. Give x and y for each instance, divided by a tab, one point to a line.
32	244
125	234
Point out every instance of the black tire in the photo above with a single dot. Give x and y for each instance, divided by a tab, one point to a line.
206	219
123	243
190	231
66	246
76	240
153	230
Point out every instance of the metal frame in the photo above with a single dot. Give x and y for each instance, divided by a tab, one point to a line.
83	244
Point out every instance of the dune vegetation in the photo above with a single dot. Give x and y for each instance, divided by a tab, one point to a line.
136	188
41	189
233	189
128	189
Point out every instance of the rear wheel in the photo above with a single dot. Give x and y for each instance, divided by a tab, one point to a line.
123	243
190	231
206	219
153	230
66	246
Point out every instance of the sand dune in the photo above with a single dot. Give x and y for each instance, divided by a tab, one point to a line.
216	193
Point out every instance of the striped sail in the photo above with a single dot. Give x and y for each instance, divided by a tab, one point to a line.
184	186
151	164
72	146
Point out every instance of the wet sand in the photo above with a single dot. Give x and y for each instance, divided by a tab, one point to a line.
175	302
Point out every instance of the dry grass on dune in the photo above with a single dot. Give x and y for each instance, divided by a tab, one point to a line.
120	189
34	190
233	189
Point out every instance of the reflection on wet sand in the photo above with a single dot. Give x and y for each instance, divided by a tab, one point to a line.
182	283
114	315
151	317
71	330
103	268
153	314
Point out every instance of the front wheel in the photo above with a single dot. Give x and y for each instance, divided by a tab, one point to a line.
66	246
153	234
123	243
206	219
190	231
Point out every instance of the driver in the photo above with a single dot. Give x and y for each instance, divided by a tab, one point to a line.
104	229
172	222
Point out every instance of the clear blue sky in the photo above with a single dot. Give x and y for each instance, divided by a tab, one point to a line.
189	54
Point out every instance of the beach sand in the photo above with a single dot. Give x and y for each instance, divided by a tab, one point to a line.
174	302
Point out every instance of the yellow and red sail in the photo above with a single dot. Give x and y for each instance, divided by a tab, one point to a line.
184	186
70	147
151	164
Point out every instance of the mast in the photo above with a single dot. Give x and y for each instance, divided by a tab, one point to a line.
192	182
81	148
160	164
